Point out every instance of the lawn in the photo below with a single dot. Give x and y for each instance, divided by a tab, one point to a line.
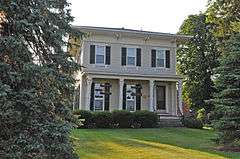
162	143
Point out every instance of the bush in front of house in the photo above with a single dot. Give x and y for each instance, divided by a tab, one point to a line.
144	119
86	116
122	118
102	119
192	122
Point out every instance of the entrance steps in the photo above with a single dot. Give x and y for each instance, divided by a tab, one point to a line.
167	120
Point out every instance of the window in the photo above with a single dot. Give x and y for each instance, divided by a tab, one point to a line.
131	56
100	54
130	97
98	97
160	58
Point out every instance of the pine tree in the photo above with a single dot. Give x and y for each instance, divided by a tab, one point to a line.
36	82
227	99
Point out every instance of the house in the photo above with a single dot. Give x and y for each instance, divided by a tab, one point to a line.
126	69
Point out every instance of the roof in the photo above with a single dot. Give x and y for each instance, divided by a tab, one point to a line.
124	30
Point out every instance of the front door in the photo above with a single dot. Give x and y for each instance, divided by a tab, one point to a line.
161	98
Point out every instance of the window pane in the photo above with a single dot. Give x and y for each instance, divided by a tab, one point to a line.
160	58
131	52
98	105
160	62
98	97
131	61
100	50
100	59
130	105
130	101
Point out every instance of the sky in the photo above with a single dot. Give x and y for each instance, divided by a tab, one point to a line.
149	15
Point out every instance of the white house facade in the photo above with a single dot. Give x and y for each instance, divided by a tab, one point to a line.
127	69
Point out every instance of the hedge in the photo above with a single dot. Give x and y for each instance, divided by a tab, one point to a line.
118	119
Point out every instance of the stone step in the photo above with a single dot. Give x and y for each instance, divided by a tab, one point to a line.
170	122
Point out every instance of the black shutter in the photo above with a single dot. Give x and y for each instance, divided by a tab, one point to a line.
138	57
107	97
124	96
108	55
92	97
167	58
92	54
153	58
124	55
138	97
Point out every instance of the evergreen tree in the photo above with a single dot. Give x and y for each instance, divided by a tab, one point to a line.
36	82
227	99
196	59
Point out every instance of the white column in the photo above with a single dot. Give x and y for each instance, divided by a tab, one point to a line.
121	83
80	104
167	98
88	93
180	96
151	99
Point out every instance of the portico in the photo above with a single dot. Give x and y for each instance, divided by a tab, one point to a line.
131	93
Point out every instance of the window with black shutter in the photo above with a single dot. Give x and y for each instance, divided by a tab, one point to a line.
138	96
124	97
108	55
167	58
92	54
107	96
124	56
138	57
153	54
92	97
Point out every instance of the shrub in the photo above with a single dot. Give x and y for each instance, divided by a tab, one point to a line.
122	118
86	116
145	119
103	119
192	122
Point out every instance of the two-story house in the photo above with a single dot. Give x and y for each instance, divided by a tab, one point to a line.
127	69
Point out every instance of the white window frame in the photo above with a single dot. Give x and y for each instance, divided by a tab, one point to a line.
135	56
134	97
104	54
164	57
102	99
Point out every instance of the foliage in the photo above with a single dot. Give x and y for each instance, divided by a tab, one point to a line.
102	119
227	98
122	118
117	119
36	82
197	57
145	119
86	116
224	14
192	122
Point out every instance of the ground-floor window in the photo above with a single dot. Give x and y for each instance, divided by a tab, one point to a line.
98	97
130	98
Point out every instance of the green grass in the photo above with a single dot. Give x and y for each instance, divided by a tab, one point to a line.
162	143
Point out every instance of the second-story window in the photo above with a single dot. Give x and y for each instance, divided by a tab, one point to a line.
131	56
100	54
160	58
